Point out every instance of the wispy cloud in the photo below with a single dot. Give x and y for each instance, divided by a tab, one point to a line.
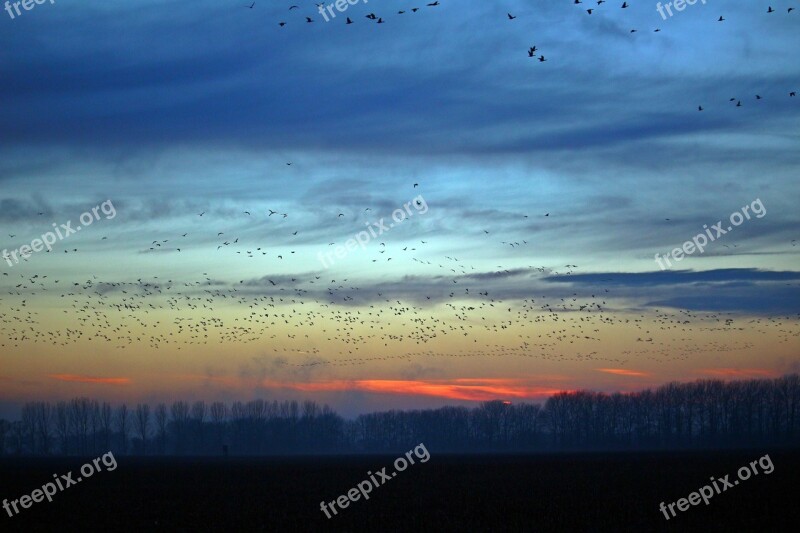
733	373
90	379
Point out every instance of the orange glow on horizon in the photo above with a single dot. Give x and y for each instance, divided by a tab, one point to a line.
625	372
90	379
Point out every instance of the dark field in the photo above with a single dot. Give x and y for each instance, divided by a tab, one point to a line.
589	492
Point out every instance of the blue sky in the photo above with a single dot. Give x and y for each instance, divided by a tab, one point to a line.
174	108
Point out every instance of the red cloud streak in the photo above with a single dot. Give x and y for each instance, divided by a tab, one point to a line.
457	389
90	379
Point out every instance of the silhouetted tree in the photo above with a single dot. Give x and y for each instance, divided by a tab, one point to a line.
219	412
142	421
80	412
180	419
95	423
5	426
123	426
18	436
44	423
199	412
105	423
27	434
62	426
161	425
705	414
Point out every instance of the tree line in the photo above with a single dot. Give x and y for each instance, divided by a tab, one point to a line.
701	414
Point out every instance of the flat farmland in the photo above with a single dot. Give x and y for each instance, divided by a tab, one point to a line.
566	492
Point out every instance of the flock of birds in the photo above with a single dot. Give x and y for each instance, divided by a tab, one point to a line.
301	315
347	20
533	51
597	5
295	232
296	315
736	102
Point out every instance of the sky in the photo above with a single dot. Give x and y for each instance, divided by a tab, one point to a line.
452	220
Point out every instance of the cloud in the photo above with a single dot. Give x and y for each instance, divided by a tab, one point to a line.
738	373
743	290
418	371
677	277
